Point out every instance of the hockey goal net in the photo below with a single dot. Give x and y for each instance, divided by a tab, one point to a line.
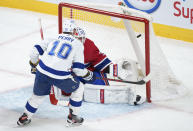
121	32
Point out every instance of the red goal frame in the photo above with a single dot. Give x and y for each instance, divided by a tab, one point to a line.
113	14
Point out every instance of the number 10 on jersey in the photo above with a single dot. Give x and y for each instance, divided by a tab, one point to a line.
61	50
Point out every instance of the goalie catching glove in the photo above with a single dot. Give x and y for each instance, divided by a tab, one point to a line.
122	69
33	67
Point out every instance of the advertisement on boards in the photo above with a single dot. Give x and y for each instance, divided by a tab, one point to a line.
148	6
171	18
178	13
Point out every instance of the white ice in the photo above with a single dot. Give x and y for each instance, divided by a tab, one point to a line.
19	30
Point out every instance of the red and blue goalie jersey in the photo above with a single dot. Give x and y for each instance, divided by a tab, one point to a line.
94	60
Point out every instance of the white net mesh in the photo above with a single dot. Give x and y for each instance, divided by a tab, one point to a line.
112	38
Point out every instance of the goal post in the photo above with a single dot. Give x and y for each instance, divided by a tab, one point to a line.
118	28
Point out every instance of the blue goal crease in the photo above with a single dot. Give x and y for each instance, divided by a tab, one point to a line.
16	101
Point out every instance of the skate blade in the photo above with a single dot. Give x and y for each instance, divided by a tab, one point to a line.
68	124
20	126
23	124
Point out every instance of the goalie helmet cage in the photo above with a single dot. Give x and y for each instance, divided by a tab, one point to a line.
130	23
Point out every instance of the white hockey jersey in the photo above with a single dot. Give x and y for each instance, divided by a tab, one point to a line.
59	57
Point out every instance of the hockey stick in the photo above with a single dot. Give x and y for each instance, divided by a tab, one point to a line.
56	101
141	82
52	96
41	30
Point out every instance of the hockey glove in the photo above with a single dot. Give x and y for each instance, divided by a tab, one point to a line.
89	77
33	67
121	69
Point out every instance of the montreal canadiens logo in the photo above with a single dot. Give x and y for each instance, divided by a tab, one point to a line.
148	6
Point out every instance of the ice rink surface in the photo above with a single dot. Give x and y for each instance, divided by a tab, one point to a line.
19	30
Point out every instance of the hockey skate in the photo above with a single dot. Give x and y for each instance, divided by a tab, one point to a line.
139	100
74	120
136	100
23	120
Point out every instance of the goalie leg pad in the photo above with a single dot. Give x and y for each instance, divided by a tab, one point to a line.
113	94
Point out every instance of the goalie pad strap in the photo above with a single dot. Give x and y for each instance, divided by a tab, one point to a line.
114	70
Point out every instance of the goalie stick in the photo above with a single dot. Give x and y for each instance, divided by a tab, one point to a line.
140	82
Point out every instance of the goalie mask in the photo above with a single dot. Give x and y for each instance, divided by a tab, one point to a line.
68	26
79	33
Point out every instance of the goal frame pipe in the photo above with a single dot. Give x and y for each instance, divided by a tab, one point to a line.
113	14
147	60
73	6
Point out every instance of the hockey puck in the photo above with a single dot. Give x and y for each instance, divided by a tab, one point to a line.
138	35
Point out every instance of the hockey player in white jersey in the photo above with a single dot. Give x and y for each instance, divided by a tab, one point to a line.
61	61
